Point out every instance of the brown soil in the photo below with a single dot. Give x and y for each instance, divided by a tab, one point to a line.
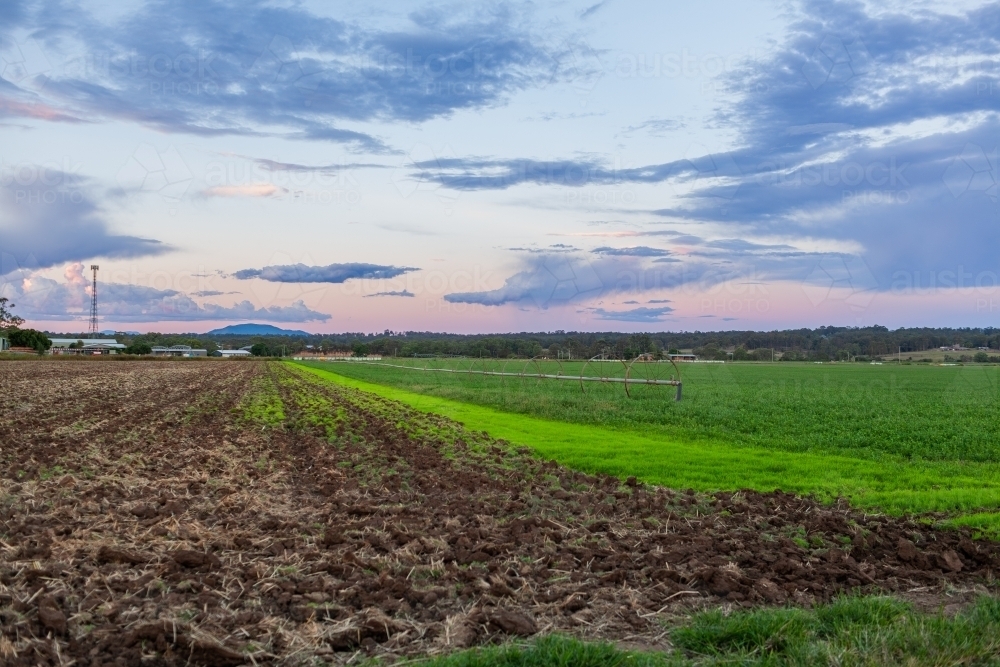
145	520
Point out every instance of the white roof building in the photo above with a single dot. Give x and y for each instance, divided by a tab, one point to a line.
178	351
110	343
85	346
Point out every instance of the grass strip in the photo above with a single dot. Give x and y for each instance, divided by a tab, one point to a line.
892	485
854	630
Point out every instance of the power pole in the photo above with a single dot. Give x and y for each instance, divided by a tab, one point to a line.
93	303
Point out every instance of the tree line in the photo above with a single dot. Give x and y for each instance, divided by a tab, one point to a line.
821	344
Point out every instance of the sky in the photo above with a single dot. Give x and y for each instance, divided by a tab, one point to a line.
500	167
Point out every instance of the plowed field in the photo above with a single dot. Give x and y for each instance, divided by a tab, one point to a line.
228	513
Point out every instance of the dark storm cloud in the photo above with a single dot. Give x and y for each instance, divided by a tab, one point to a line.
48	217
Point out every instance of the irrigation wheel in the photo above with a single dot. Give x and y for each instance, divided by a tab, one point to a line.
548	366
462	368
509	366
607	371
434	366
530	372
482	368
649	372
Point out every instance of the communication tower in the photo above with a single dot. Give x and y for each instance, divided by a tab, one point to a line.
93	303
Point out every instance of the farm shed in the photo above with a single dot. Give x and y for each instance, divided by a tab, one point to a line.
86	346
178	351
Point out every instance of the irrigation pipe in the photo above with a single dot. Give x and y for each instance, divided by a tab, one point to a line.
627	380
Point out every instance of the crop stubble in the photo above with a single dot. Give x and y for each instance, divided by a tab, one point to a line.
147	516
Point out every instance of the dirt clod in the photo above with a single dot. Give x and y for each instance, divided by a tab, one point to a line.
906	550
50	615
191	558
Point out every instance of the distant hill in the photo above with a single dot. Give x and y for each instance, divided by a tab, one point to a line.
255	330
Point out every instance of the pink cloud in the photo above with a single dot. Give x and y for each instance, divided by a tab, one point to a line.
250	190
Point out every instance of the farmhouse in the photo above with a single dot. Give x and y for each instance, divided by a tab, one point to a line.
683	357
235	353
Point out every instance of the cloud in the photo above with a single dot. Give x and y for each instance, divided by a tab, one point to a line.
552	280
47	217
41	298
908	92
641	314
553	248
636	251
500	174
659	301
633	232
211	292
255	190
742	245
275	165
593	9
866	131
213	68
406	229
10	108
560	279
334	273
557	115
549	279
656	127
398	293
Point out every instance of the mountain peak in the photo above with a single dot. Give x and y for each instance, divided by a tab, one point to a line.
254	329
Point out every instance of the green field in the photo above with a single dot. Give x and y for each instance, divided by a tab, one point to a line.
899	438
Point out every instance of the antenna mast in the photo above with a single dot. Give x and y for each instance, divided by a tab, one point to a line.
93	303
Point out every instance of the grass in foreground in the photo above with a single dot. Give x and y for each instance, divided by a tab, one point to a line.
893	484
849	631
